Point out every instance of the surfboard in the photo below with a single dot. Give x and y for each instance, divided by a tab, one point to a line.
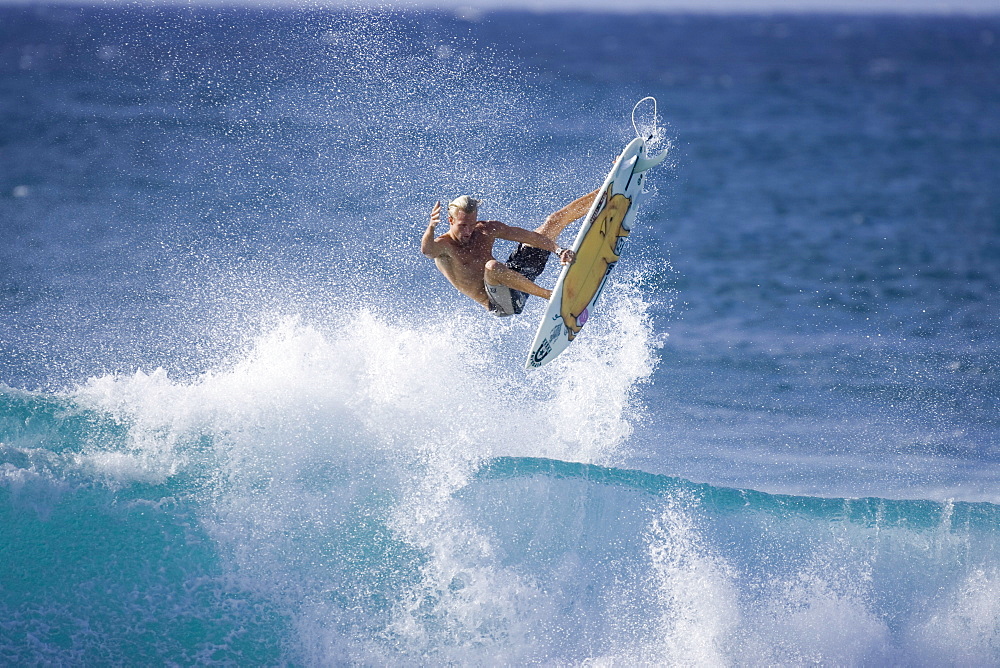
598	246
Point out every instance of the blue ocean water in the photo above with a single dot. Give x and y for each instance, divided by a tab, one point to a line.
244	421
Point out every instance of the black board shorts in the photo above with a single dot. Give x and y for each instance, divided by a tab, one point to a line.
529	262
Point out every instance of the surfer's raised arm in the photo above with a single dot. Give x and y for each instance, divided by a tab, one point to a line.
427	245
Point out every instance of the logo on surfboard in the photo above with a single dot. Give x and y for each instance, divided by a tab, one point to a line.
598	253
543	351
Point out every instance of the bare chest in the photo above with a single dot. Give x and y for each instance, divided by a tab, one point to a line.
466	263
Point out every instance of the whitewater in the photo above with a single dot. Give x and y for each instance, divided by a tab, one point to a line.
243	421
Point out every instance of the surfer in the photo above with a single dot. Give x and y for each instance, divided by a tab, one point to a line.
464	254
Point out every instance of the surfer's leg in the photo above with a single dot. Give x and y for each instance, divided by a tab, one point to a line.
497	273
558	221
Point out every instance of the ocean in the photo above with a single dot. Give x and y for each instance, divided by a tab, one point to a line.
243	421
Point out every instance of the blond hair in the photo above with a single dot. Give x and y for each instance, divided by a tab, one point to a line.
464	203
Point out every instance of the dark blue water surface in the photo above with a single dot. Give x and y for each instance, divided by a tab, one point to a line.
243	419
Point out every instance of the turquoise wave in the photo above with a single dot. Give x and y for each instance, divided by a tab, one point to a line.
95	574
870	512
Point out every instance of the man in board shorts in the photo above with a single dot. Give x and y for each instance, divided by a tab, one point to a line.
464	254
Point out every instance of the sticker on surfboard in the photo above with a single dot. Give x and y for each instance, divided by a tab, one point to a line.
598	247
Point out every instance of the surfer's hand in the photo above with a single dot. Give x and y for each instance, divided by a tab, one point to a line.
566	256
436	214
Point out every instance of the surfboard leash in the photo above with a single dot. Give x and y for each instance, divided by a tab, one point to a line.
635	126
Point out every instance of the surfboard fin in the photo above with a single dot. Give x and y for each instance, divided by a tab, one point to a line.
642	164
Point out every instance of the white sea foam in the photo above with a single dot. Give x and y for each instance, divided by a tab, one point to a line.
699	599
964	626
816	616
312	434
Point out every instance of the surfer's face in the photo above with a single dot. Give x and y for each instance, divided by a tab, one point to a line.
463	223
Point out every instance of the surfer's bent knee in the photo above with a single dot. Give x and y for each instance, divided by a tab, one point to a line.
493	267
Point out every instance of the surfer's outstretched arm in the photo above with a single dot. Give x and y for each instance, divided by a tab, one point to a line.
557	221
523	236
